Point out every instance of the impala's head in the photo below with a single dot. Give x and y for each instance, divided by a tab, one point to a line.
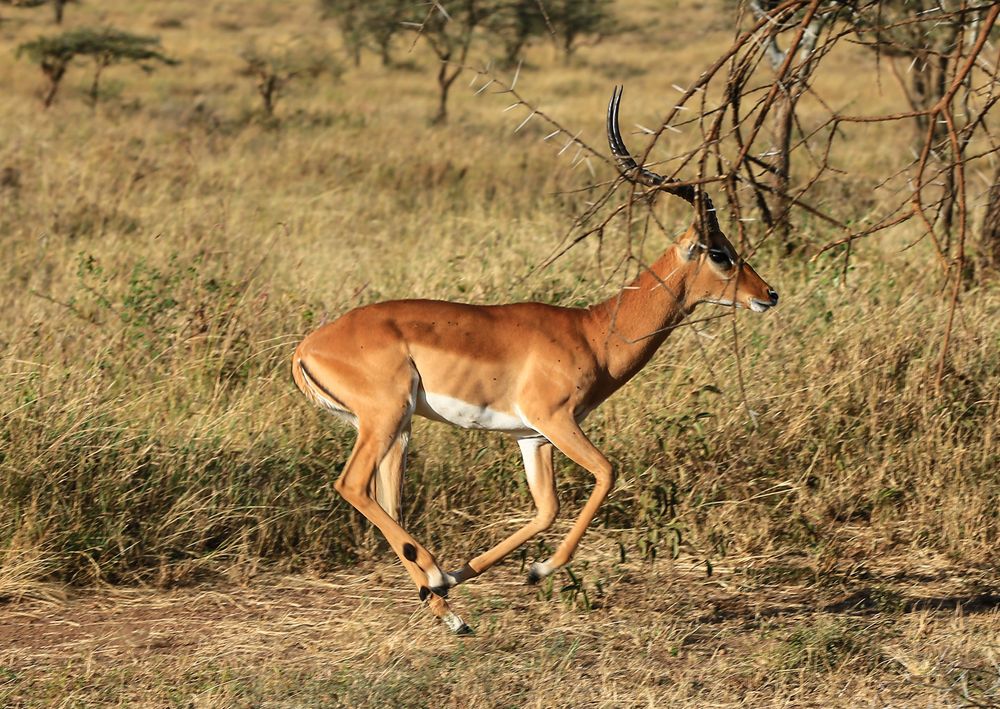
714	272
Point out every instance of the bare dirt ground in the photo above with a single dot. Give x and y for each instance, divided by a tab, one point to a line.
768	634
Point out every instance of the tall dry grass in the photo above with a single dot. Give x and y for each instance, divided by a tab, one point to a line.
163	254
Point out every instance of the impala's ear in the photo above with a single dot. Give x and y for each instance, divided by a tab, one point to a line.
690	243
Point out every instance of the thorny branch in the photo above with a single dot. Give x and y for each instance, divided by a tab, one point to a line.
732	111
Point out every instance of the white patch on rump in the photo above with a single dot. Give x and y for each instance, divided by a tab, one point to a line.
440	407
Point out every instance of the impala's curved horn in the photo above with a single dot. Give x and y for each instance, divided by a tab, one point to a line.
633	172
626	163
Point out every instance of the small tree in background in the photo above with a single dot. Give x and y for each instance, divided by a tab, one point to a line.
580	22
515	24
273	69
347	15
53	55
449	28
382	22
104	46
58	6
23	3
110	46
794	85
366	24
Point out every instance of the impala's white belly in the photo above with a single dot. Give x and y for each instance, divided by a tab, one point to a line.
465	415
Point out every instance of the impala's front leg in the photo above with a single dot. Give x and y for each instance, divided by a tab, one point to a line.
566	435
537	455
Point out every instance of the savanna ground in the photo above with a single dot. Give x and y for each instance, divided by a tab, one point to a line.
168	528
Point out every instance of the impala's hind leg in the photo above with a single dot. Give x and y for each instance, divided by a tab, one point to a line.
381	410
374	443
388	481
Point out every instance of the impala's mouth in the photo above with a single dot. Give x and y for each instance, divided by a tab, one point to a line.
759	306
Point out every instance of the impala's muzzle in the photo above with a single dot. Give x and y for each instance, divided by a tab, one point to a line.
759	306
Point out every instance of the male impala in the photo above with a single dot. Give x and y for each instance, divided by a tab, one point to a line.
531	370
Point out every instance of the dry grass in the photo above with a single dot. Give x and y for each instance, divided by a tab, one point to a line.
163	255
662	635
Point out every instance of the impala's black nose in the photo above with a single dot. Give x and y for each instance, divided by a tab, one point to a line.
774	295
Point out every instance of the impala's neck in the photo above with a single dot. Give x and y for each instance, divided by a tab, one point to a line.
628	328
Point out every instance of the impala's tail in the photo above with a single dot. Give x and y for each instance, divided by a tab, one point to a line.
317	393
298	377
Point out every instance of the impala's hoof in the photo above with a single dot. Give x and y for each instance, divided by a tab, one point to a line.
456	624
537	572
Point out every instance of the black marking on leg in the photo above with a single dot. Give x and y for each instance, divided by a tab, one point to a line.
409	552
440	591
533	576
424	593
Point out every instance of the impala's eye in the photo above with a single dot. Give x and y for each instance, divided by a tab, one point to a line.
720	257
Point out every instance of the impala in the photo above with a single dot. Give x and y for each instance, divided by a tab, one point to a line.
530	370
